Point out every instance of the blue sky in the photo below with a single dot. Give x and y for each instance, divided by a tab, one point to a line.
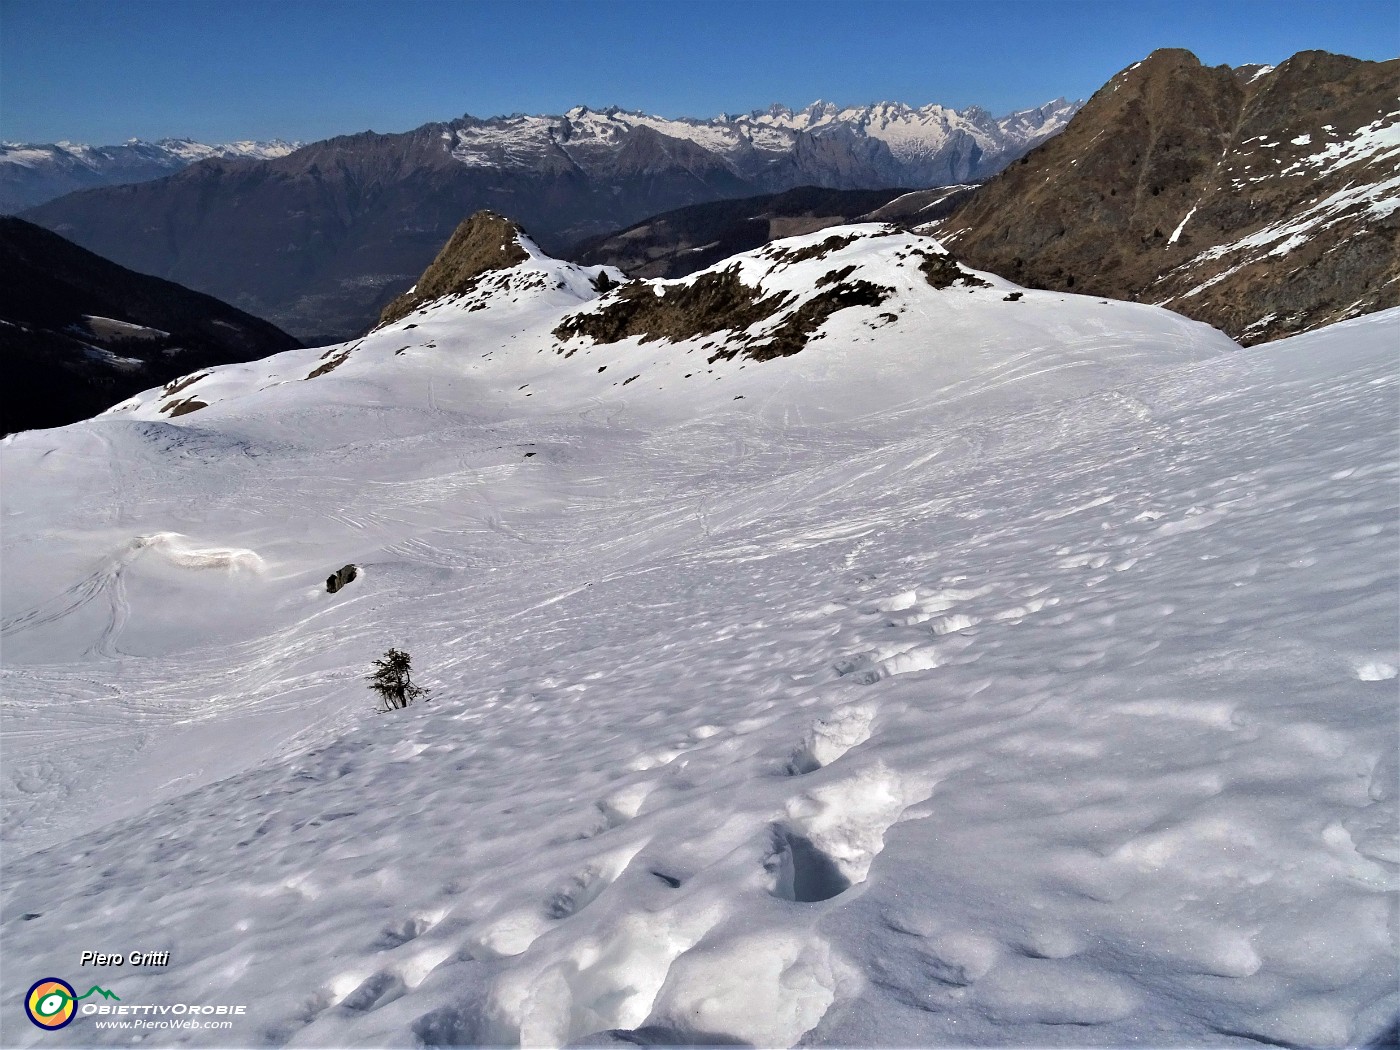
101	71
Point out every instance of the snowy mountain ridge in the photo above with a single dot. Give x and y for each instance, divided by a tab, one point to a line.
31	173
31	154
919	141
998	667
909	130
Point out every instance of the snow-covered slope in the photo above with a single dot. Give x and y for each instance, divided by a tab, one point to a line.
31	174
990	346
994	670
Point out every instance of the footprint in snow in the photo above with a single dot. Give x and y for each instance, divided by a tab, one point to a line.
860	667
801	871
303	1014
579	890
396	934
374	991
869	667
832	834
829	739
617	809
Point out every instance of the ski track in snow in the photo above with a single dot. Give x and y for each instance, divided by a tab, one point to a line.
1067	726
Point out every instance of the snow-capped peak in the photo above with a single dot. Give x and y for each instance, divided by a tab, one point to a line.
921	141
178	148
40	172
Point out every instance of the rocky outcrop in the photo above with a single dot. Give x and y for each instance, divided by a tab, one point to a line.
759	325
1260	200
710	303
482	243
340	578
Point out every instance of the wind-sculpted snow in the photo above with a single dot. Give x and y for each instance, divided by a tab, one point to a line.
1011	673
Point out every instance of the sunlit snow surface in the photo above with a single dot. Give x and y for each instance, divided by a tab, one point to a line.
1007	674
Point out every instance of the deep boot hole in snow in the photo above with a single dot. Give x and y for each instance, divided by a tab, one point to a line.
802	872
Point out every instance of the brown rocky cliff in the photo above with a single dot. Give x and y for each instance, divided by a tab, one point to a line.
481	243
1213	156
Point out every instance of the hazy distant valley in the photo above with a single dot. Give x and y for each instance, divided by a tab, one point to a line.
318	240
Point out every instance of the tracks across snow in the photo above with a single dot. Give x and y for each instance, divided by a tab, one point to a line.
1078	723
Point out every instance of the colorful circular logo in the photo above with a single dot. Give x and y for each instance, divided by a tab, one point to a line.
51	1003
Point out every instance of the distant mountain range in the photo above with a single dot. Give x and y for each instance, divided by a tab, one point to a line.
1262	200
32	174
319	240
79	333
854	147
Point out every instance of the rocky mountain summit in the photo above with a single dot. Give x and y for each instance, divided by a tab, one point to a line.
79	333
320	240
1262	200
760	308
31	174
484	242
